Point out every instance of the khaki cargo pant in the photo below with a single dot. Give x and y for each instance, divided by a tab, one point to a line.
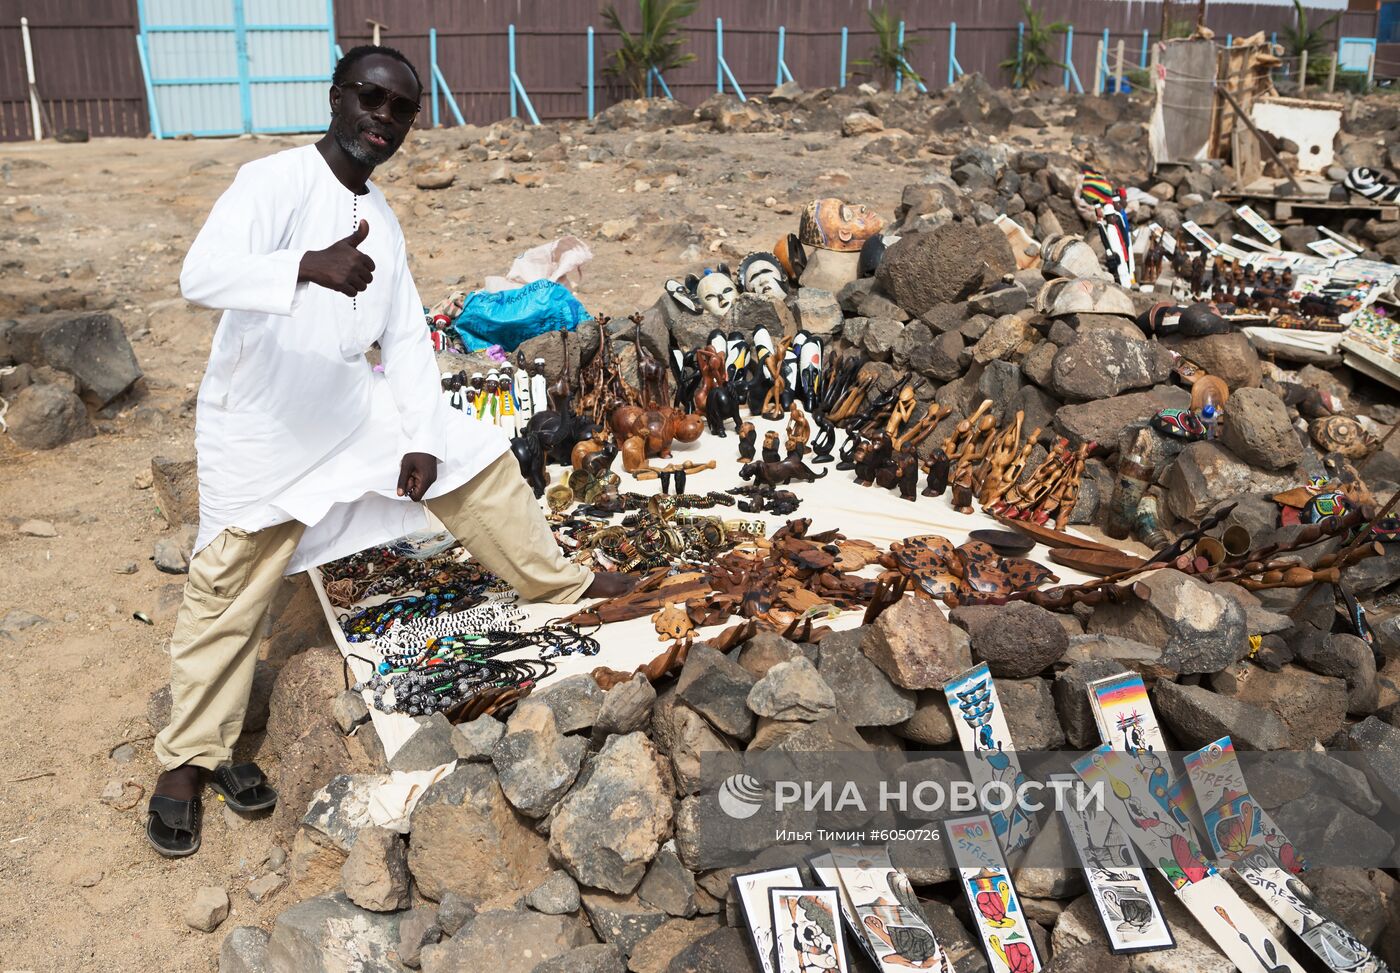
214	647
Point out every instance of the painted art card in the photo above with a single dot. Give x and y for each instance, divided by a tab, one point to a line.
1126	905
888	912
807	932
1260	225
996	908
1243	834
1235	928
752	892
1162	840
1127	722
989	751
824	873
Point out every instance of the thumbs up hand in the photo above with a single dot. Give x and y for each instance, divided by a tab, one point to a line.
341	266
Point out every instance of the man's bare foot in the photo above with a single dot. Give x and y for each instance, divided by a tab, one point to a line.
610	584
182	783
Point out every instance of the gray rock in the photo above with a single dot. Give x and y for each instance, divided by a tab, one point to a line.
430	746
1072	700
1103	421
575	701
329	934
817	312
869	302
626	709
668	884
766	649
716	687
1003	300
829	270
792	691
475	740
1379	746
880	337
946	264
1030	713
610	827
1353	898
622	921
467	840
349	711
683	735
454	912
726	950
595	958
1257	430
1206	475
341	808
173	551
418	928
1128	653
1016	641
831	733
655	953
37	528
555	896
910	643
1229	356
18	621
208	909
375	874
265	887
1001	381
868	697
1313	707
536	763
1198	630
1103	364
1197	716
90	346
245	951
1333	833
944	357
175	484
932	722
516	942
1350	658
1006	338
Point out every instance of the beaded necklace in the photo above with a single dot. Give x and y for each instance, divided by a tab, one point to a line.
371	623
453	668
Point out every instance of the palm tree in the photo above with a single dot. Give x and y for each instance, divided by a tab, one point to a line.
890	58
657	45
1299	37
1034	55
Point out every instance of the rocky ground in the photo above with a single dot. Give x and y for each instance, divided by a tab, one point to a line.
95	534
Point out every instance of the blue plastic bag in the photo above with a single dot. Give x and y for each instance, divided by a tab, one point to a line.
508	318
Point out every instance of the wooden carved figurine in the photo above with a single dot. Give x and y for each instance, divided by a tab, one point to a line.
588	447
673	624
634	454
748	435
770	447
938	467
798	430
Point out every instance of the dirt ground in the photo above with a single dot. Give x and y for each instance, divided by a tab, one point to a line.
106	225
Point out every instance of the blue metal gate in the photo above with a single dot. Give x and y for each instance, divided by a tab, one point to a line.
226	67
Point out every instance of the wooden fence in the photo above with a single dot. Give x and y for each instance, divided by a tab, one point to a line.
89	75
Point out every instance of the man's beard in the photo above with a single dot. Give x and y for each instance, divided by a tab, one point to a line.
358	150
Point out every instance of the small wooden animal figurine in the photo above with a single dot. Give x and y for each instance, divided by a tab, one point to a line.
779	474
586	448
770	447
748	435
634	454
673	624
906	475
938	467
798	430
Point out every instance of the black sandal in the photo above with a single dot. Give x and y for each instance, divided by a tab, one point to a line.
172	826
242	787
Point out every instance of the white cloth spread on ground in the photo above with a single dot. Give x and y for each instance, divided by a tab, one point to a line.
293	423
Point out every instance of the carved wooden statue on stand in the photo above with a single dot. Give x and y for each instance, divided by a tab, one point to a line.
798	431
748	436
770	447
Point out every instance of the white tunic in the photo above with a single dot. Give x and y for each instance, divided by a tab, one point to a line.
293	423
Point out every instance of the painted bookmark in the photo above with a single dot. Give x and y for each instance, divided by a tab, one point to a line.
1243	834
1002	924
989	751
1126	905
890	920
1126	722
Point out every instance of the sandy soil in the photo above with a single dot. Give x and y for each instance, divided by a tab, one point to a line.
106	224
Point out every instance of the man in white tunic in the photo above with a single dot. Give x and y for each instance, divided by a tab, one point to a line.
306	452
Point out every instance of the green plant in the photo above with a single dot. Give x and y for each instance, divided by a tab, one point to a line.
1299	37
1179	28
890	57
1033	49
657	45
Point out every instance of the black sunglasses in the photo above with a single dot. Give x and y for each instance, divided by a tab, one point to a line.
372	97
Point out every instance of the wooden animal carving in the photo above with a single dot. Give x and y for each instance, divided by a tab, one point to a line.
673	624
779	474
